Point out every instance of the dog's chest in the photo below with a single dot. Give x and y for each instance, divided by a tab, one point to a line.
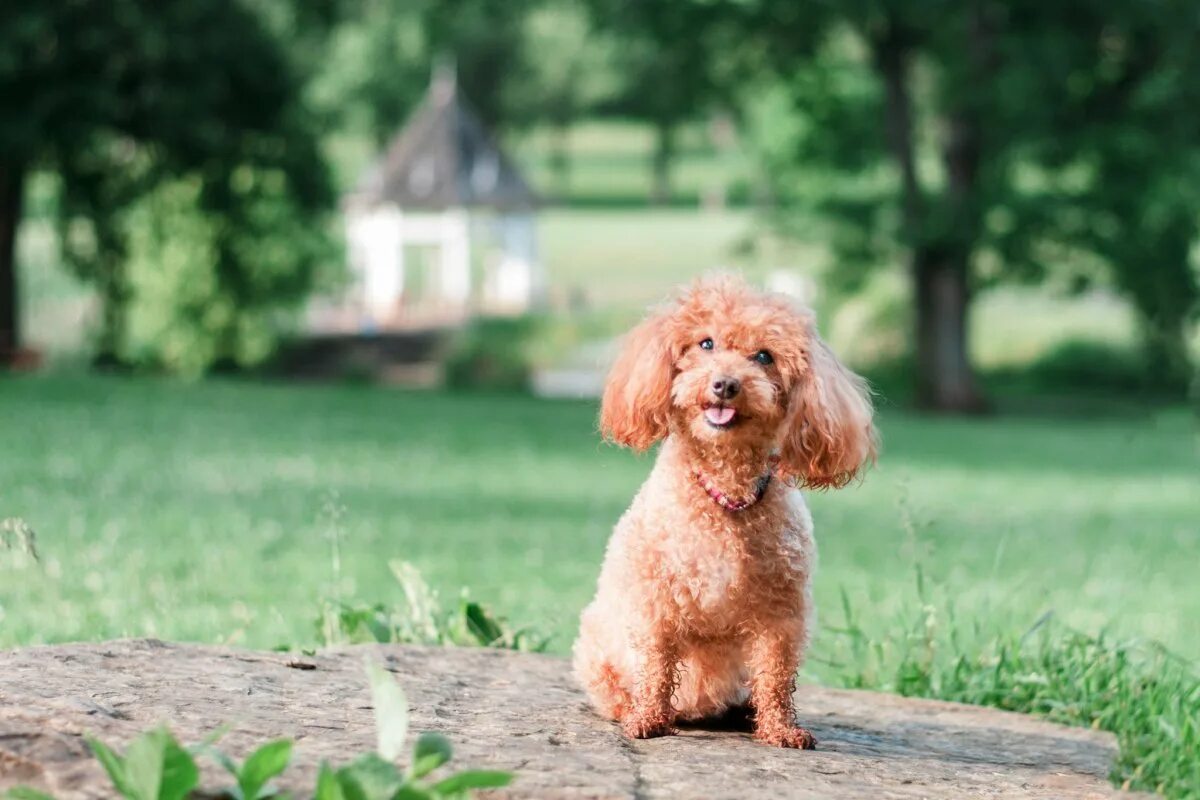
720	577
707	577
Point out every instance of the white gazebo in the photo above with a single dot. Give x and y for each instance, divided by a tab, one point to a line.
442	226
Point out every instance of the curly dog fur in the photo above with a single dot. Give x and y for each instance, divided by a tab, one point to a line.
701	607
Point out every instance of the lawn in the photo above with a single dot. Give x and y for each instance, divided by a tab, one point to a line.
208	512
609	165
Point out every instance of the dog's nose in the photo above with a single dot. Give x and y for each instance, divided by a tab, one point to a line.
726	388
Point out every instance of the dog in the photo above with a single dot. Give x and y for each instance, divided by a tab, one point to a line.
704	601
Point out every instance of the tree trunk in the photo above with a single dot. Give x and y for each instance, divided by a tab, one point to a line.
945	379
12	186
114	302
1165	295
892	59
560	159
664	157
1168	362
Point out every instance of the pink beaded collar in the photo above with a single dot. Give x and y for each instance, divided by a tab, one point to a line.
733	503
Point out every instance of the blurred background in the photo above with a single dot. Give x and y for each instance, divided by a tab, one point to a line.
289	290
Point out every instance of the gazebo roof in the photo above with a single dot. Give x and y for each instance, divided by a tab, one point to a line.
443	158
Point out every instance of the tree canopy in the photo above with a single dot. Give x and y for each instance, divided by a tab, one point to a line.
119	97
975	142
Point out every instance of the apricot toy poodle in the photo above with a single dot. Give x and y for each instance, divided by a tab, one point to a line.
704	599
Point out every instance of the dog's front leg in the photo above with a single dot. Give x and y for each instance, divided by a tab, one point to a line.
652	713
774	659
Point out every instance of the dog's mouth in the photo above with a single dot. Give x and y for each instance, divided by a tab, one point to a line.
720	416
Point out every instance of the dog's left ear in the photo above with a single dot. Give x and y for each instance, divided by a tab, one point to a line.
637	396
829	434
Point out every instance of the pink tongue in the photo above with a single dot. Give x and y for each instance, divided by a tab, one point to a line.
719	416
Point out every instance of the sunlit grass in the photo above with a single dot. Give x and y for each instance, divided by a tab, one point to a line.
610	165
197	512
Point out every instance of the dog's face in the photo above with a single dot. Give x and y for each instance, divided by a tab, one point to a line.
735	368
729	366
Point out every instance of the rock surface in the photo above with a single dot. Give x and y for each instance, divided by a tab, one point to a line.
519	712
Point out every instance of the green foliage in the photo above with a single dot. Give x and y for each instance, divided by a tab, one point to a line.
375	69
500	353
1091	366
391	712
906	129
116	111
570	67
1123	170
375	776
492	354
253	776
17	536
525	488
1148	697
204	291
156	767
421	620
26	793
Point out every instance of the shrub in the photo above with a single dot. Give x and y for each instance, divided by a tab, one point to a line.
207	288
421	620
17	536
1095	366
492	353
500	353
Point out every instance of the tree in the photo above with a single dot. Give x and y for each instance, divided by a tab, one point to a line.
570	69
960	102
119	96
669	56
376	69
485	39
383	52
1123	160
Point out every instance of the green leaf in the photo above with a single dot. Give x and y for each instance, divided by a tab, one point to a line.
264	764
472	779
26	793
144	765
483	626
179	773
208	742
430	752
369	778
391	712
114	765
411	792
225	761
327	785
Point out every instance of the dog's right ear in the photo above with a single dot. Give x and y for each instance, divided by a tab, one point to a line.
637	396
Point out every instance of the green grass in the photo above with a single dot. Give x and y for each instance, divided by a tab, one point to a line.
1146	695
627	259
212	512
610	165
202	511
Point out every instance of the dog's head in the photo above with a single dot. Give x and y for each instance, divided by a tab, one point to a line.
727	365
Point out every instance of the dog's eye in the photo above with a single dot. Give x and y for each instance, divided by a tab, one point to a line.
706	344
763	357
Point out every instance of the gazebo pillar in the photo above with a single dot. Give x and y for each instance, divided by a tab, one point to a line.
379	239
518	282
456	258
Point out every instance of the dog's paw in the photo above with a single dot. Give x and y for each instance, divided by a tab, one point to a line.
793	736
646	726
